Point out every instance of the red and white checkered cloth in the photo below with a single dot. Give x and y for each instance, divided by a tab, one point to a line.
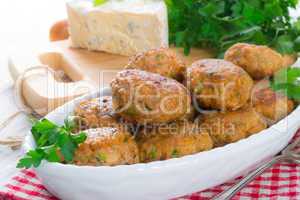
282	181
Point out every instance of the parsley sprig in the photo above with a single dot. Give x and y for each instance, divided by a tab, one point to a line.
219	24
54	143
287	81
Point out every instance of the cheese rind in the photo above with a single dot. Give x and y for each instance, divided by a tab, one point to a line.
121	27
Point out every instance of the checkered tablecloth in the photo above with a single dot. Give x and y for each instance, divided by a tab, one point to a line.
281	182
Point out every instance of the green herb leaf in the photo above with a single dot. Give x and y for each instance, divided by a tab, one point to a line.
198	88
79	138
99	2
285	44
54	143
219	24
67	146
297	44
153	153
288	82
131	110
70	123
175	153
32	158
42	127
102	157
51	153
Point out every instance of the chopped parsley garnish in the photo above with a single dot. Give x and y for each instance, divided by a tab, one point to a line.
153	153
54	143
175	153
102	157
198	88
131	110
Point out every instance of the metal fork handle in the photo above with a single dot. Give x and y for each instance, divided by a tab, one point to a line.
228	194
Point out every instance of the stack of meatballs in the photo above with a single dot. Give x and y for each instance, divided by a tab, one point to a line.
161	109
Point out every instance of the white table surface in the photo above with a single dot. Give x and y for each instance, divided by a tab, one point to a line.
23	23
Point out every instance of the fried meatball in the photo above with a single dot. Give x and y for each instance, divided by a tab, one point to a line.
107	146
172	140
144	97
273	106
258	61
219	84
162	61
225	128
95	113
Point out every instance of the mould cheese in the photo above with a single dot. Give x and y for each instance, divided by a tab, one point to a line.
122	27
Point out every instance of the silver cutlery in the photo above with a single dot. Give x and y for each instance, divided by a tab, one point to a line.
290	154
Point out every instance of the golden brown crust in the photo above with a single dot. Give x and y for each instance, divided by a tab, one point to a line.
107	146
162	61
289	60
273	106
172	140
59	31
145	97
225	128
95	113
136	93
218	84
258	61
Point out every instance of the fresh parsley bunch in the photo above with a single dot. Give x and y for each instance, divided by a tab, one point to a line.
54	143
218	24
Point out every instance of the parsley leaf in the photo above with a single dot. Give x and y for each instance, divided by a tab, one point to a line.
218	24
54	143
79	138
32	158
70	123
287	81
52	154
67	146
285	44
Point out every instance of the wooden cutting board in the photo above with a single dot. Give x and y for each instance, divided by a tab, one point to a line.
83	71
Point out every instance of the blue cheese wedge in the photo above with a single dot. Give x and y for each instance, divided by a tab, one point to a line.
124	27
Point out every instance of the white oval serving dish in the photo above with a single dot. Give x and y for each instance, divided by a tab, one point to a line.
161	179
